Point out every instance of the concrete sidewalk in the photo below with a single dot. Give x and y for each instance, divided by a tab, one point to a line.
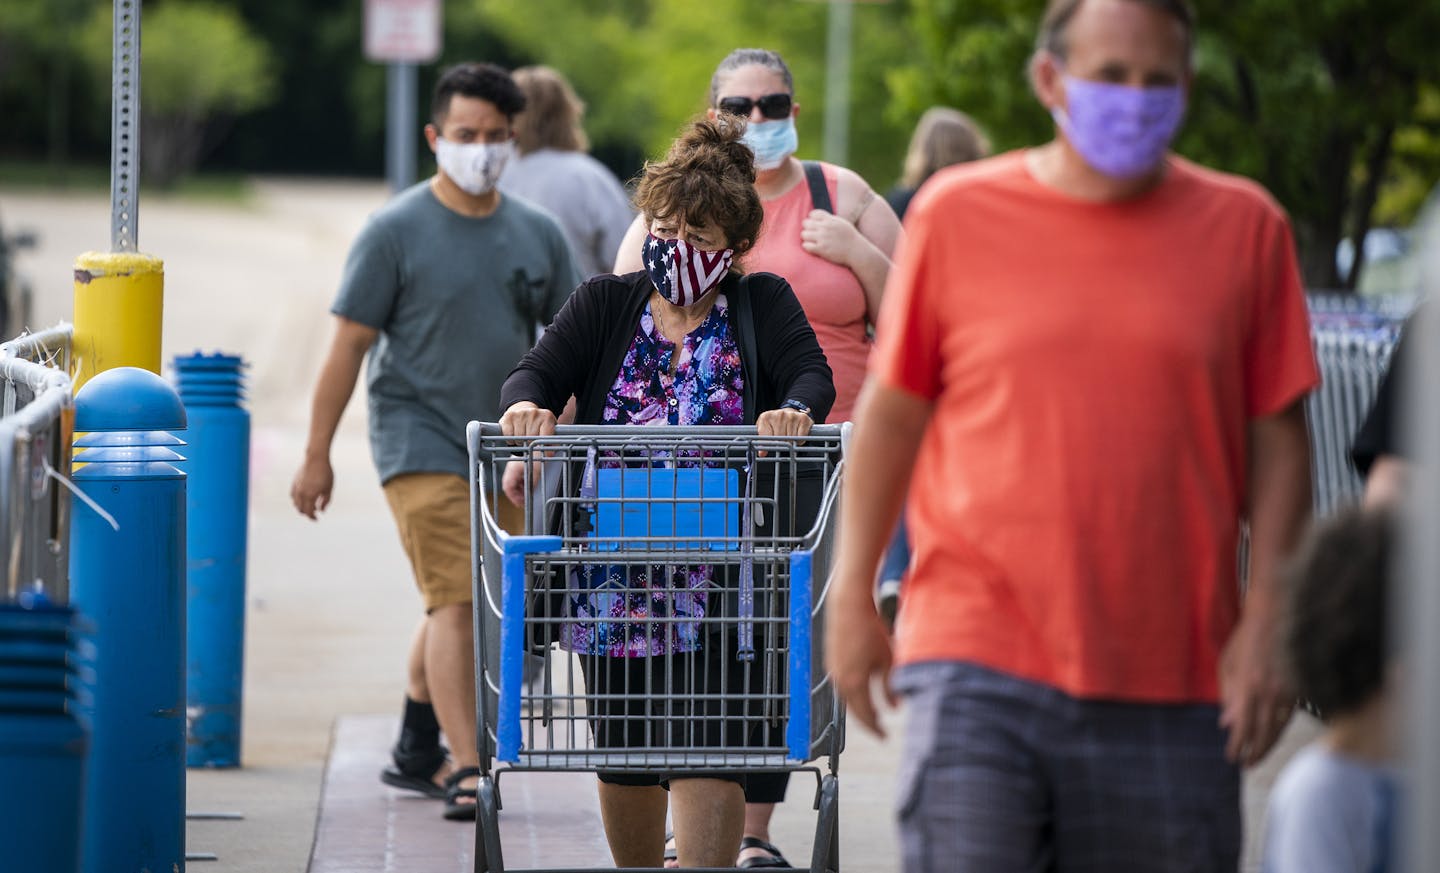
331	607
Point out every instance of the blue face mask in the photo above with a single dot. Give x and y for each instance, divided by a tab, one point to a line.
772	142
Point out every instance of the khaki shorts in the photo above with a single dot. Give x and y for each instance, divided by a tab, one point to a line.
432	511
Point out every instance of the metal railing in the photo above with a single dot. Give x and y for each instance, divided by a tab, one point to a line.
36	428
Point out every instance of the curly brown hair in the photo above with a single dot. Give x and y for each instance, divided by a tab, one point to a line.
708	176
1336	638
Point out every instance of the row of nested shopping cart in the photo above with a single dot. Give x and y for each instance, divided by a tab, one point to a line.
703	555
1354	338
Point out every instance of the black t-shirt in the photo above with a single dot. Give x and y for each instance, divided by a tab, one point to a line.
899	199
1380	434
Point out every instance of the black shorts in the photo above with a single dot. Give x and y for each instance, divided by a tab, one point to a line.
697	700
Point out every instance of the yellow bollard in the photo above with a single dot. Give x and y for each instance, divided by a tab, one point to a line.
118	308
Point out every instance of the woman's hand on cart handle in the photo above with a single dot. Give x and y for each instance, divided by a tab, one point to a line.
785	421
525	419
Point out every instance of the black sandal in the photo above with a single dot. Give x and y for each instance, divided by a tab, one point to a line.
671	853
415	769
775	860
454	809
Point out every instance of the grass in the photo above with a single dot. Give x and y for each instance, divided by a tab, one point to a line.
231	188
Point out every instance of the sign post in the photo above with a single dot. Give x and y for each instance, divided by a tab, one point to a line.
125	128
840	26
837	82
401	33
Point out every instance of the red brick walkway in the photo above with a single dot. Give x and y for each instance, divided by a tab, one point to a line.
364	826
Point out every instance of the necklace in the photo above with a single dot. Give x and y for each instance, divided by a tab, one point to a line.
659	320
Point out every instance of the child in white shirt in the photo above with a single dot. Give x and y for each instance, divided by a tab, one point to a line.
1333	808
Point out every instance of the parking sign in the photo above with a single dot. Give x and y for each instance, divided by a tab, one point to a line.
402	31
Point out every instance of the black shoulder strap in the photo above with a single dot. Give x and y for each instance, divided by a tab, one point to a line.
744	325
819	193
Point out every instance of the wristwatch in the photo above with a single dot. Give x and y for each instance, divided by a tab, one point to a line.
796	405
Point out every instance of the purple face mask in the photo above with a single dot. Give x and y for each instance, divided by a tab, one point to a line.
1119	130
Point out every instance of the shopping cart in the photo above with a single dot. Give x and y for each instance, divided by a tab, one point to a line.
705	548
1353	340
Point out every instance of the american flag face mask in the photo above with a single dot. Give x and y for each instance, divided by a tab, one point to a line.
681	272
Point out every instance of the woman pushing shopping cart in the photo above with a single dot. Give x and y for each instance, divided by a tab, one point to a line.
667	577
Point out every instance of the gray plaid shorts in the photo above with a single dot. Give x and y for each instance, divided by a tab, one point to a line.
1002	775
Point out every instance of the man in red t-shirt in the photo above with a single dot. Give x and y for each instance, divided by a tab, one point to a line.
1096	354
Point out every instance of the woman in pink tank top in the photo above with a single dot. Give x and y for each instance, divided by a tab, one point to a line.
836	261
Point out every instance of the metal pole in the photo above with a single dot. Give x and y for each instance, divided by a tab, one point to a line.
1418	608
837	82
400	112
125	128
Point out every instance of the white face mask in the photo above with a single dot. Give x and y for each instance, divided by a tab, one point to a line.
474	167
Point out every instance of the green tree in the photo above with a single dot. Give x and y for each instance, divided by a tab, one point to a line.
200	67
1330	104
644	70
37	54
1413	169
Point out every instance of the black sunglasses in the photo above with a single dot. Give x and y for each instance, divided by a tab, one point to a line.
771	105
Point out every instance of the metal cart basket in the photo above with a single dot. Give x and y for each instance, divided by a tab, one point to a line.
661	613
1353	340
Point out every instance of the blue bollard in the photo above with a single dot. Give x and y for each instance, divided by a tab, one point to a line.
129	580
217	509
42	738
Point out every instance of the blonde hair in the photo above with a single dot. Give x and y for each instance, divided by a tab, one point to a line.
553	110
943	137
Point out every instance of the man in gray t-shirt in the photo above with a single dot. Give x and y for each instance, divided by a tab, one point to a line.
443	291
456	300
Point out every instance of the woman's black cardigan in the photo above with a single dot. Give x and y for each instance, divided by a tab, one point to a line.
582	350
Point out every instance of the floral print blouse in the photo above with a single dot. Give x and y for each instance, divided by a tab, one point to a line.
706	388
617	615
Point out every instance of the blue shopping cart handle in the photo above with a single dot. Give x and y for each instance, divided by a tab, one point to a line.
512	635
511	544
797	730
